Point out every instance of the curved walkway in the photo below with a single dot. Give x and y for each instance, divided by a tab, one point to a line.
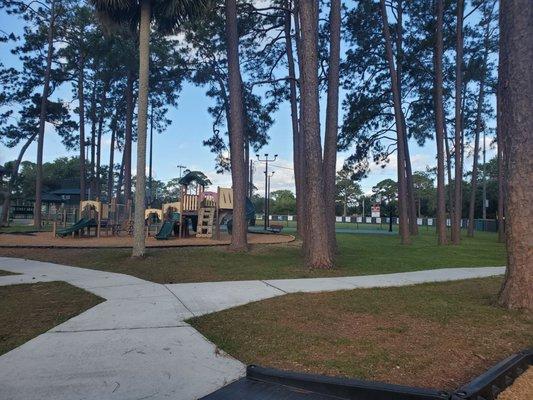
136	344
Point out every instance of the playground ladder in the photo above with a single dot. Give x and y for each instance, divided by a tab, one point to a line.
206	217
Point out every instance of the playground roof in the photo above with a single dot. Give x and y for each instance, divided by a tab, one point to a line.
195	176
71	191
50	198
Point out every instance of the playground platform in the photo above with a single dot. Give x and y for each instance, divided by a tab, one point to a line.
47	240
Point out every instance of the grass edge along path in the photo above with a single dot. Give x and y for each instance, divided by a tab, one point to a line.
358	255
437	335
28	310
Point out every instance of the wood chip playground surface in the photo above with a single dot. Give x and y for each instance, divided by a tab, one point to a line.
47	240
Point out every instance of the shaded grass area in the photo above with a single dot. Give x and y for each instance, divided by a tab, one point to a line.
433	335
28	310
358	255
5	273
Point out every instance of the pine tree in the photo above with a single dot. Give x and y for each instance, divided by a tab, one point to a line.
516	85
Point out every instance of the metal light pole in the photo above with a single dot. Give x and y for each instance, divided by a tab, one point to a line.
268	197
181	167
251	180
390	214
266	160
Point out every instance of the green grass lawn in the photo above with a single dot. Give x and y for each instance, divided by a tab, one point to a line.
290	226
358	255
432	335
28	310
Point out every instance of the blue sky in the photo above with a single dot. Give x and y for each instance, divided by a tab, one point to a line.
191	124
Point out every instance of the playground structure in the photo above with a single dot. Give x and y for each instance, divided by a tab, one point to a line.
153	218
109	218
90	217
202	211
198	211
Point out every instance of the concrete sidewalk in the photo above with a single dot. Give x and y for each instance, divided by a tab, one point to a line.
136	344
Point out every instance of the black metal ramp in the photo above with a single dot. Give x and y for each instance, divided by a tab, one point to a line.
271	384
267	383
246	388
490	384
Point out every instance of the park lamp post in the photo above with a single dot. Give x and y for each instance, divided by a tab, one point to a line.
266	160
389	205
268	197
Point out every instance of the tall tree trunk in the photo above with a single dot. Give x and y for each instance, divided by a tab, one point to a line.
120	179
93	143
413	226
81	112
14	174
246	163
516	53
37	218
293	97
345	207
246	142
316	242
501	151
150	158
101	117
477	132
472	205
448	170
128	134
439	125
110	173
4	219
501	167
303	218
236	131
332	120
402	182
457	198
251	179
139	244
484	182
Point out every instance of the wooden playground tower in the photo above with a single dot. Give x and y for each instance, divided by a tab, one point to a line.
210	208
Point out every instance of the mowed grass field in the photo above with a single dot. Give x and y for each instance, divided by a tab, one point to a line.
432	335
28	310
358	254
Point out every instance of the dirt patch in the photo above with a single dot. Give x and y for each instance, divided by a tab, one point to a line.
31	309
438	335
47	239
522	387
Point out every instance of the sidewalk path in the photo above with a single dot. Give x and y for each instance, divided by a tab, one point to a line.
135	345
